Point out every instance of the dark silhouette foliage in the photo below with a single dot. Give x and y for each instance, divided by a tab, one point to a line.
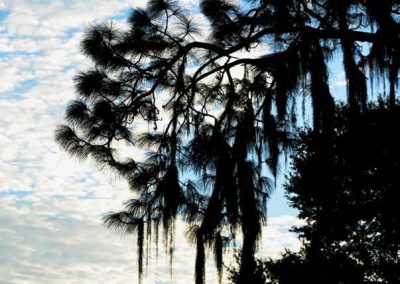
356	216
352	230
301	268
226	128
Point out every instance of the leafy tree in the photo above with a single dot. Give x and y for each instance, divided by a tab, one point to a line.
352	212
299	267
352	230
223	130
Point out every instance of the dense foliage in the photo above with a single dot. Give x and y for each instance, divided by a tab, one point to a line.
220	112
352	230
352	211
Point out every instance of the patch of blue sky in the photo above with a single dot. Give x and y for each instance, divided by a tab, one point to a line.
20	90
69	33
79	194
26	85
278	204
193	7
20	53
377	87
246	5
4	14
122	15
20	197
17	193
336	76
69	67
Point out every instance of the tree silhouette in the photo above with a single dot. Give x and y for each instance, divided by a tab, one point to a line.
356	217
352	228
224	130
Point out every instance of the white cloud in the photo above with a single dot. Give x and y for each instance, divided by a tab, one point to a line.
54	18
45	240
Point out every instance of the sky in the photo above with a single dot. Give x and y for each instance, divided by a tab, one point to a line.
50	204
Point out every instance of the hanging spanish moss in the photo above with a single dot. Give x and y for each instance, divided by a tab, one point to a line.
200	258
218	122
140	243
218	255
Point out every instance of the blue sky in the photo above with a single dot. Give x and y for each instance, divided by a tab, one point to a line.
50	204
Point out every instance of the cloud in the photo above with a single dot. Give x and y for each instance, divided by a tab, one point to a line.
45	240
50	241
55	18
51	205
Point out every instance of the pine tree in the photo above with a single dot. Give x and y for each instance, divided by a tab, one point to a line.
226	130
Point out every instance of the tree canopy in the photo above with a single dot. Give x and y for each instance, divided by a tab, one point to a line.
351	211
220	113
352	225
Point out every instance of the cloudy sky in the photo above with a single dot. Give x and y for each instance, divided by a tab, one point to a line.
50	204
